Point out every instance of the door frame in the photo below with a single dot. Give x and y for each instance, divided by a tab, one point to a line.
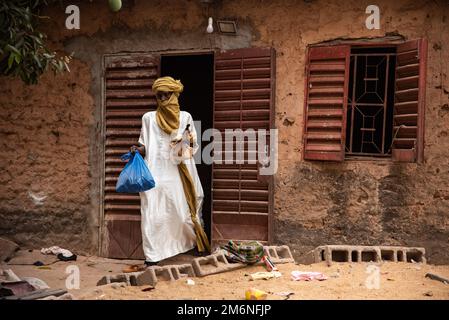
102	250
101	245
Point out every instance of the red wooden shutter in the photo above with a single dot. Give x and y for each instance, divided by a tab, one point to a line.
128	95
243	98
326	99
410	94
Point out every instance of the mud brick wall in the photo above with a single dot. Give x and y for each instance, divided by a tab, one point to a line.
45	179
49	132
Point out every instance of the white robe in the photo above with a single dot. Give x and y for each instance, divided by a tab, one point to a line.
167	228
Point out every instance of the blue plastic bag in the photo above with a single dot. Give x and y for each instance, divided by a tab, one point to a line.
135	176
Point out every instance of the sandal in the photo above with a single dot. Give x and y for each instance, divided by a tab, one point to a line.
133	268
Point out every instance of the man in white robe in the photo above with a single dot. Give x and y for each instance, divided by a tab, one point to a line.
169	221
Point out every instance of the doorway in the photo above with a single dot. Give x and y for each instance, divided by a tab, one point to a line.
196	72
229	89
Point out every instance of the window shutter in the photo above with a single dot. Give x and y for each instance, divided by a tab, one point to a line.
410	92
127	92
326	99
243	99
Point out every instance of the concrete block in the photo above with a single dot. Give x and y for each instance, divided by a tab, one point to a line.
164	273
186	270
307	258
129	278
154	274
148	277
313	256
279	254
348	253
415	255
214	263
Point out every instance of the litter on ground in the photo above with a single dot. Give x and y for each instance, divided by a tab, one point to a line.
307	276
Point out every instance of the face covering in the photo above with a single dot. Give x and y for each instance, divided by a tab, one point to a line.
167	114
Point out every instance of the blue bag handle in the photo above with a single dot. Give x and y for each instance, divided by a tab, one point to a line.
128	156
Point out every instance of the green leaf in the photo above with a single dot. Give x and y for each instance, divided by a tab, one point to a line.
36	39
23	47
37	61
10	60
13	49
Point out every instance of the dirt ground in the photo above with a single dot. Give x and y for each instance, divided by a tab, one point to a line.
345	280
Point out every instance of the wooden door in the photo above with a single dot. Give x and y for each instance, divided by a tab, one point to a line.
127	96
244	93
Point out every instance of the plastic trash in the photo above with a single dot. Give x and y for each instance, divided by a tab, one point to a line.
308	276
135	176
269	264
265	275
56	250
62	254
255	294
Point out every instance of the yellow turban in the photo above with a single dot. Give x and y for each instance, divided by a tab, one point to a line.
167	113
168	84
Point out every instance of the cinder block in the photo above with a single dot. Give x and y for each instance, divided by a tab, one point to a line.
388	254
148	277
164	273
310	257
348	253
186	270
212	264
279	254
415	255
337	253
128	278
154	274
370	254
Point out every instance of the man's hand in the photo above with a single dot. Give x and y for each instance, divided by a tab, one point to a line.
141	149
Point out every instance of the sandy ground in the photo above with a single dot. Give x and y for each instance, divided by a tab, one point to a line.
345	280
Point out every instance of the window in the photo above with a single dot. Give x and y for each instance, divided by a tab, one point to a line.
365	101
369	124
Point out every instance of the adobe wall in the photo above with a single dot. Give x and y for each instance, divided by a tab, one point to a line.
50	132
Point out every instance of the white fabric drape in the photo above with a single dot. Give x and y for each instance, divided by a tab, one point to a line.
167	228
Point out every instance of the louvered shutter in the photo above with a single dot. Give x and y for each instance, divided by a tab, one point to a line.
128	95
326	99
410	91
243	98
